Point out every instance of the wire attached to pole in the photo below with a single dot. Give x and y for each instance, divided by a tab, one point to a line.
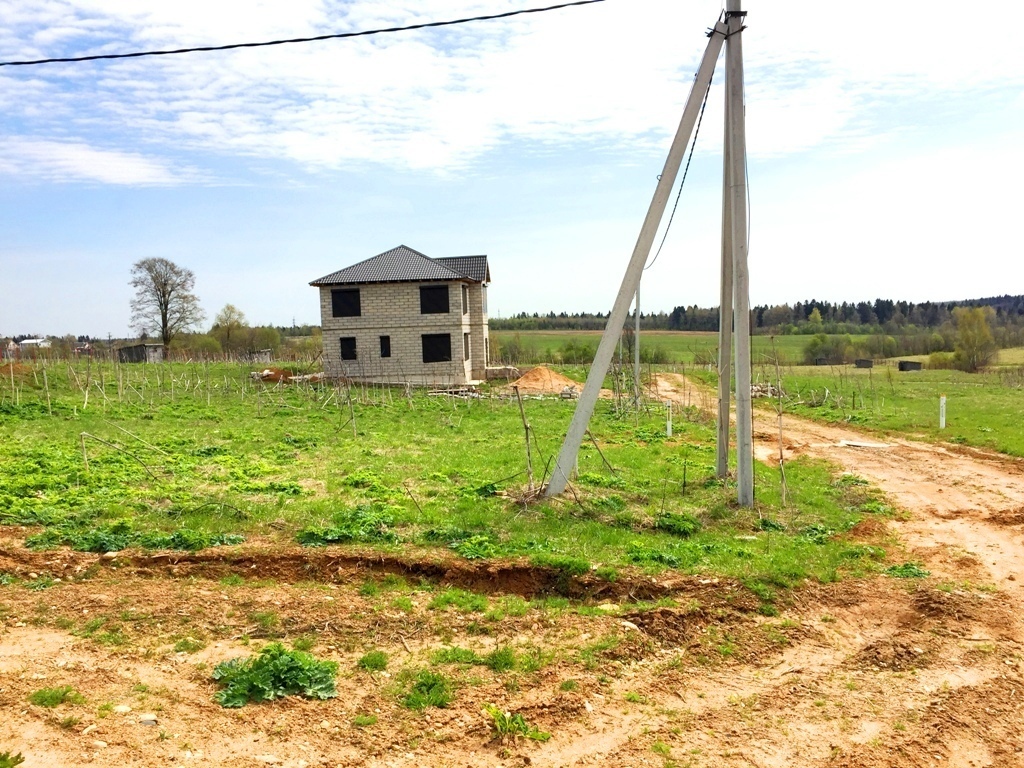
686	170
338	36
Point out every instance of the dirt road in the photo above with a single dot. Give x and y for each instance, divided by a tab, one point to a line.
880	673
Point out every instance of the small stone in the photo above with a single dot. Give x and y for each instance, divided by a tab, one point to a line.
122	709
325	723
33	575
110	555
588	706
99	744
147	719
88	729
629	625
607	607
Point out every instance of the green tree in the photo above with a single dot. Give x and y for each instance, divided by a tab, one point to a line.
164	303
975	347
228	326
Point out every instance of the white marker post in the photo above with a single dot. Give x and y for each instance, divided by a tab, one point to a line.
668	424
942	411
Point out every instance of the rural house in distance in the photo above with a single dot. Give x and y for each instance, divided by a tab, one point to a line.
402	317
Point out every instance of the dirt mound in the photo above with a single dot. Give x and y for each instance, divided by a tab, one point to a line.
1008	517
936	604
543	381
894	653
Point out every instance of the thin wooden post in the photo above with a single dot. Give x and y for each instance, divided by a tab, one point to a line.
526	429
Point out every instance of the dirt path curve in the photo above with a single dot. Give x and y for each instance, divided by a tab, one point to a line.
969	500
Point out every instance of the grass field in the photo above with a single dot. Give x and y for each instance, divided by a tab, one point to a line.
678	346
985	410
184	456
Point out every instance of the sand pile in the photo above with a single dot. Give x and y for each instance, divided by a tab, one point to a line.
544	381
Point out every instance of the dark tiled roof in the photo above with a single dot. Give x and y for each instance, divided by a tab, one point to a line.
403	264
473	267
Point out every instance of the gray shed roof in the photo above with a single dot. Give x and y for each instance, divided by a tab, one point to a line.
403	264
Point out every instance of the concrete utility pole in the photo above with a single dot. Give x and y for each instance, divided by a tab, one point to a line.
636	352
725	315
736	181
631	281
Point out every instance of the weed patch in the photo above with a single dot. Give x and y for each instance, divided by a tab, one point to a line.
429	689
275	672
53	697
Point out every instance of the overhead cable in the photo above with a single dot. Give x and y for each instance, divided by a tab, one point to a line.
337	36
686	170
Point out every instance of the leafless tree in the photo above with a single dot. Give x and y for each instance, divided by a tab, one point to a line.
164	303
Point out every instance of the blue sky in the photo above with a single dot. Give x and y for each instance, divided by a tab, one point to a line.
885	152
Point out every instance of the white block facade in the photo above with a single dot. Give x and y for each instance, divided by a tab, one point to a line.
392	310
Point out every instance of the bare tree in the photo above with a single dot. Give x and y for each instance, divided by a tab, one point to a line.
164	303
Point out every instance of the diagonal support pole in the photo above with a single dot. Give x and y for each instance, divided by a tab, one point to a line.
588	399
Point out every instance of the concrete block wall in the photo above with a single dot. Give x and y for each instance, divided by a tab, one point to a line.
393	309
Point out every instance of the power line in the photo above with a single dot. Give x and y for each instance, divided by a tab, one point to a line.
338	36
686	170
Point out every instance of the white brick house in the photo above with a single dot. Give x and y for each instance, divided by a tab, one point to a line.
404	317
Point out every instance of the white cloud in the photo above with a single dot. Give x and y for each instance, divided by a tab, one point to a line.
76	161
612	74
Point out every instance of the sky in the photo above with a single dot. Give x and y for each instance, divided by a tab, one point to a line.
884	152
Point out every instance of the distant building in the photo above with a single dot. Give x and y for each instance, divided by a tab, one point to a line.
141	353
402	316
27	345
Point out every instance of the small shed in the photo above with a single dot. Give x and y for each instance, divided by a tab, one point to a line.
864	362
141	353
910	365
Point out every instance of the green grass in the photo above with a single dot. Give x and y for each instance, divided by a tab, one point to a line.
53	697
374	661
982	409
205	467
684	347
428	689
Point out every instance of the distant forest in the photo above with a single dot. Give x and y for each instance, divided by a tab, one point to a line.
804	317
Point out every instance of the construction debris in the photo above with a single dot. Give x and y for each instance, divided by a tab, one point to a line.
543	381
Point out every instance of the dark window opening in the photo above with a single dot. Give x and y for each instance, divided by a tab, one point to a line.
465	346
437	347
348	347
434	300
465	299
345	302
385	346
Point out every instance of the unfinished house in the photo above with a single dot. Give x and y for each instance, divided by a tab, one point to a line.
403	317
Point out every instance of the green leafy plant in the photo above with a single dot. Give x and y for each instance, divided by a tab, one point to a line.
475	547
7	760
364	721
52	697
429	689
365	523
678	524
275	672
907	571
509	726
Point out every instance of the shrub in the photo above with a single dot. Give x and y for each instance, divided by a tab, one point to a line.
7	760
275	672
907	571
942	361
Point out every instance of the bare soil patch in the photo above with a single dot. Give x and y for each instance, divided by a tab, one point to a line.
880	673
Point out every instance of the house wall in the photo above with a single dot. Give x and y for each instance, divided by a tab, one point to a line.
393	309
